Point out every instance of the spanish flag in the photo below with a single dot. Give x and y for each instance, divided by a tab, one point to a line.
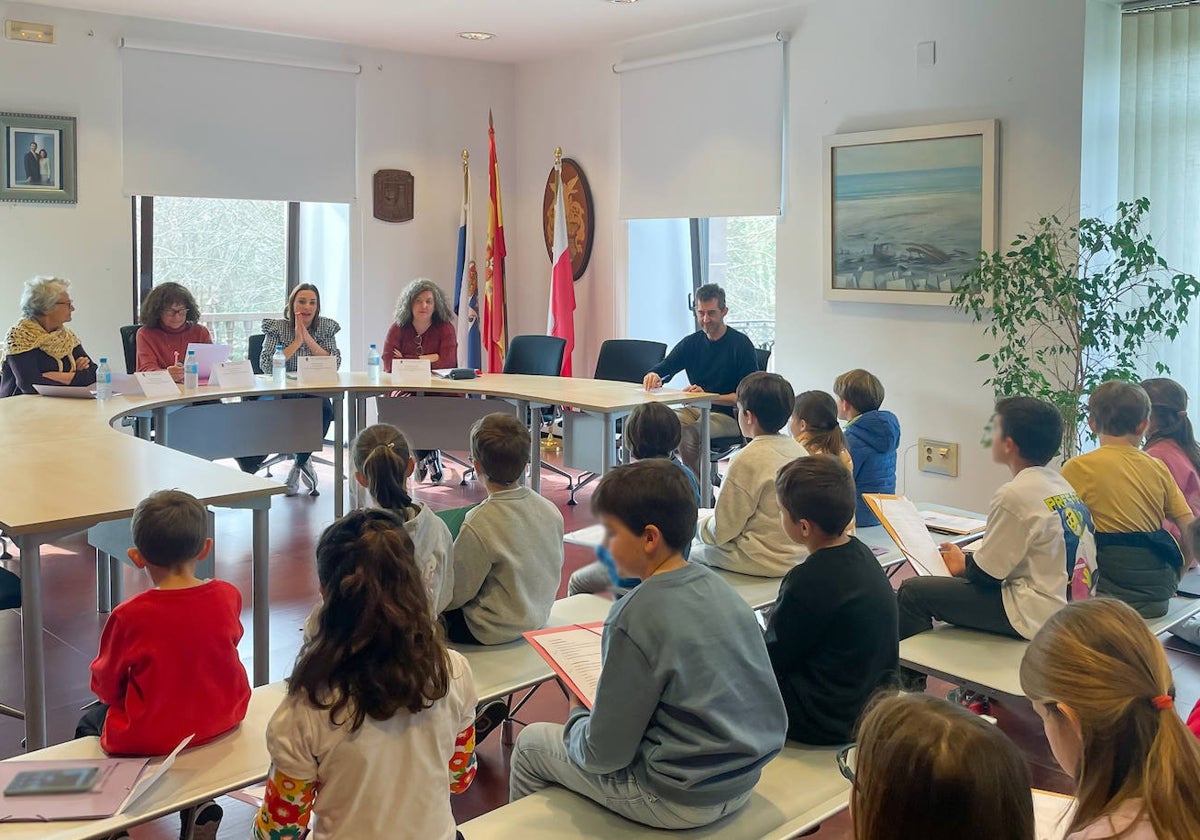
495	313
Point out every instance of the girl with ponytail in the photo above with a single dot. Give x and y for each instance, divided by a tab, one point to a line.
1101	683
378	709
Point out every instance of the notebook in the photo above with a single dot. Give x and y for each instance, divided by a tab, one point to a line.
904	523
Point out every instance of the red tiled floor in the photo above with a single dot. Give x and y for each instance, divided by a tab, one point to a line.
73	630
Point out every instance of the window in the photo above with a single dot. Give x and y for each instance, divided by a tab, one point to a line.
740	258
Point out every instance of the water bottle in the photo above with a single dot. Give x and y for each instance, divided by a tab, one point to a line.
191	372
374	366
279	367
103	380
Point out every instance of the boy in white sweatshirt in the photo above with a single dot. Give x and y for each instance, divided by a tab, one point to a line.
744	534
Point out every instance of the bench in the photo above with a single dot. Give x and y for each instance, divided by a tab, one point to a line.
231	762
799	788
991	664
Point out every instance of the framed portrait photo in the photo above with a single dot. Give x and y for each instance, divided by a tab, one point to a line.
39	160
908	211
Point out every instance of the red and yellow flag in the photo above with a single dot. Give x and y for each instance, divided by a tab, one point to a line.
495	312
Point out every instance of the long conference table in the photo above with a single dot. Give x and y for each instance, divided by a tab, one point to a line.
70	469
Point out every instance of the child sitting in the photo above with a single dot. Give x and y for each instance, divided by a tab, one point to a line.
686	711
814	425
924	768
827	677
168	665
1129	494
378	711
743	533
1101	683
872	436
1170	439
1038	530
508	556
651	431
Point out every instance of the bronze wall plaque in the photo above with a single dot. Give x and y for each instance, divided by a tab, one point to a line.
394	195
581	223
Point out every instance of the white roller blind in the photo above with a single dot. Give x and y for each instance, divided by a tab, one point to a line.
226	128
703	136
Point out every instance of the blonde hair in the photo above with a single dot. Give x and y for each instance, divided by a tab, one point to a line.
861	388
1098	658
931	769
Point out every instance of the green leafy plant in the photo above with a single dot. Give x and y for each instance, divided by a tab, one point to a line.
1071	306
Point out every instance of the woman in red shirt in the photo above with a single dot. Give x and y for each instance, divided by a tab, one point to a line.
170	322
424	329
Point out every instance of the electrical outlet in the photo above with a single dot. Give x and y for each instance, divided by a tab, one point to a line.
937	456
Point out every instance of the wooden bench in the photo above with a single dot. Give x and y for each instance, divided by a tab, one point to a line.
991	664
231	762
799	788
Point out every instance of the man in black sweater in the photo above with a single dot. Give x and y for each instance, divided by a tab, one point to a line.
716	357
832	636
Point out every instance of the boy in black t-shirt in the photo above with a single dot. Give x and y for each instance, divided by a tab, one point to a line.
832	636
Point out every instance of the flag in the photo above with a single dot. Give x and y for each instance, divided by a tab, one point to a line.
495	315
466	283
561	321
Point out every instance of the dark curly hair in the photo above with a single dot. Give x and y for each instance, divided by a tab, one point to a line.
163	296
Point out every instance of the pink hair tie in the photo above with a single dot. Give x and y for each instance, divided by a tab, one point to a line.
1162	702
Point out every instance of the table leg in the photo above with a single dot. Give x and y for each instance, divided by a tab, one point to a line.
32	652
706	488
259	577
360	423
160	426
116	580
524	409
103	583
608	458
339	450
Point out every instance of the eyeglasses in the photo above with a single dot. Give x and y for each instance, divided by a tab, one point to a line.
68	303
177	310
847	757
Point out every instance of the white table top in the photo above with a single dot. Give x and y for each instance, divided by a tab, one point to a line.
232	761
499	670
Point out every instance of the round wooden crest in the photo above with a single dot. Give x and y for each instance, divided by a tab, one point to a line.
581	223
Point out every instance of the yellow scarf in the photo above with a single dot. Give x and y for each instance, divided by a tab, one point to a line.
28	335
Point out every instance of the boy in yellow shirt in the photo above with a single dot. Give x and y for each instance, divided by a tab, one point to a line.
1129	494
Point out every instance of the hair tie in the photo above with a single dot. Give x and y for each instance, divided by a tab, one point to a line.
1163	702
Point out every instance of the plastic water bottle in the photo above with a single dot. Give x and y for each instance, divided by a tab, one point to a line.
191	372
374	366
103	380
279	367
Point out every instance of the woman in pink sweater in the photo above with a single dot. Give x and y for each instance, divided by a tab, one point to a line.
170	322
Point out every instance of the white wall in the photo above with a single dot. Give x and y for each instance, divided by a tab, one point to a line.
852	67
414	112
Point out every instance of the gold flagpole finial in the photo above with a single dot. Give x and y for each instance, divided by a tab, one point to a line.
558	156
466	156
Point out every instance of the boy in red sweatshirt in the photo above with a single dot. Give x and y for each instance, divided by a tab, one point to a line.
168	665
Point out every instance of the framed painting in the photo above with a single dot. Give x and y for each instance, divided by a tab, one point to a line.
38	156
908	211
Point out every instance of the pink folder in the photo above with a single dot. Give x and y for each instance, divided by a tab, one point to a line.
118	776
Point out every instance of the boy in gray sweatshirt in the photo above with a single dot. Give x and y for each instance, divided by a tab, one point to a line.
687	710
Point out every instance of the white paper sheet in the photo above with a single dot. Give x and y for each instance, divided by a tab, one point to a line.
588	537
157	383
233	374
913	536
79	392
317	370
576	650
157	773
951	524
411	372
1051	815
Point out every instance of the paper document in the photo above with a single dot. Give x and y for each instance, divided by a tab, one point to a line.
1051	814
904	522
146	782
588	537
949	523
317	370
411	372
233	374
574	654
157	383
79	392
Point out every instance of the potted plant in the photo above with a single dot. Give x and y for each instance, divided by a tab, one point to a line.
1071	306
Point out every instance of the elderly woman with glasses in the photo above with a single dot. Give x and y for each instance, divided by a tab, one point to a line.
40	350
170	322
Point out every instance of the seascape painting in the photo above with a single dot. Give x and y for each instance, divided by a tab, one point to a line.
907	218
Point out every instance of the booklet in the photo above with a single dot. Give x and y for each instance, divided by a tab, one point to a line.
901	519
948	523
573	651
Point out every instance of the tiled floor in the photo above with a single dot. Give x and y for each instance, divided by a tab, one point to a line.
73	630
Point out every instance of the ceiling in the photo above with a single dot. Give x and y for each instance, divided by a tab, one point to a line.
525	29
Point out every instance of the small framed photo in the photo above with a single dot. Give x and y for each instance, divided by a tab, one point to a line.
38	155
908	211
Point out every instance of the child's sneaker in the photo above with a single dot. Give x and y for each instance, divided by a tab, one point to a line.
978	704
488	717
201	822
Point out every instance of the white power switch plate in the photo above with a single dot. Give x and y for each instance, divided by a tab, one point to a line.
937	456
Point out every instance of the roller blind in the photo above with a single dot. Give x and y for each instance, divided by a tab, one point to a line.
702	135
226	128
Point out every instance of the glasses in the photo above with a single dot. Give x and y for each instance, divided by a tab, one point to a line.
67	303
177	310
847	756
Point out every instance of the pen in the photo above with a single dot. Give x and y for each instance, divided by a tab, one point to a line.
176	357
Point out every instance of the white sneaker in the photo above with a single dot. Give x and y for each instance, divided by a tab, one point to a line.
309	476
293	480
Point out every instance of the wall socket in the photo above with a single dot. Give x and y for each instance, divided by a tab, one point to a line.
937	456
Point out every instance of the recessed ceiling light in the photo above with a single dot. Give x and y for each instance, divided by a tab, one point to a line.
622	2
476	36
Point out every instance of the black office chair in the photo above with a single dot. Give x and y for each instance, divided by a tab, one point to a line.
622	360
538	355
721	448
129	345
10	599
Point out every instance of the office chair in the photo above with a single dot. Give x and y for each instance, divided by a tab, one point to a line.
621	360
129	345
721	448
10	599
